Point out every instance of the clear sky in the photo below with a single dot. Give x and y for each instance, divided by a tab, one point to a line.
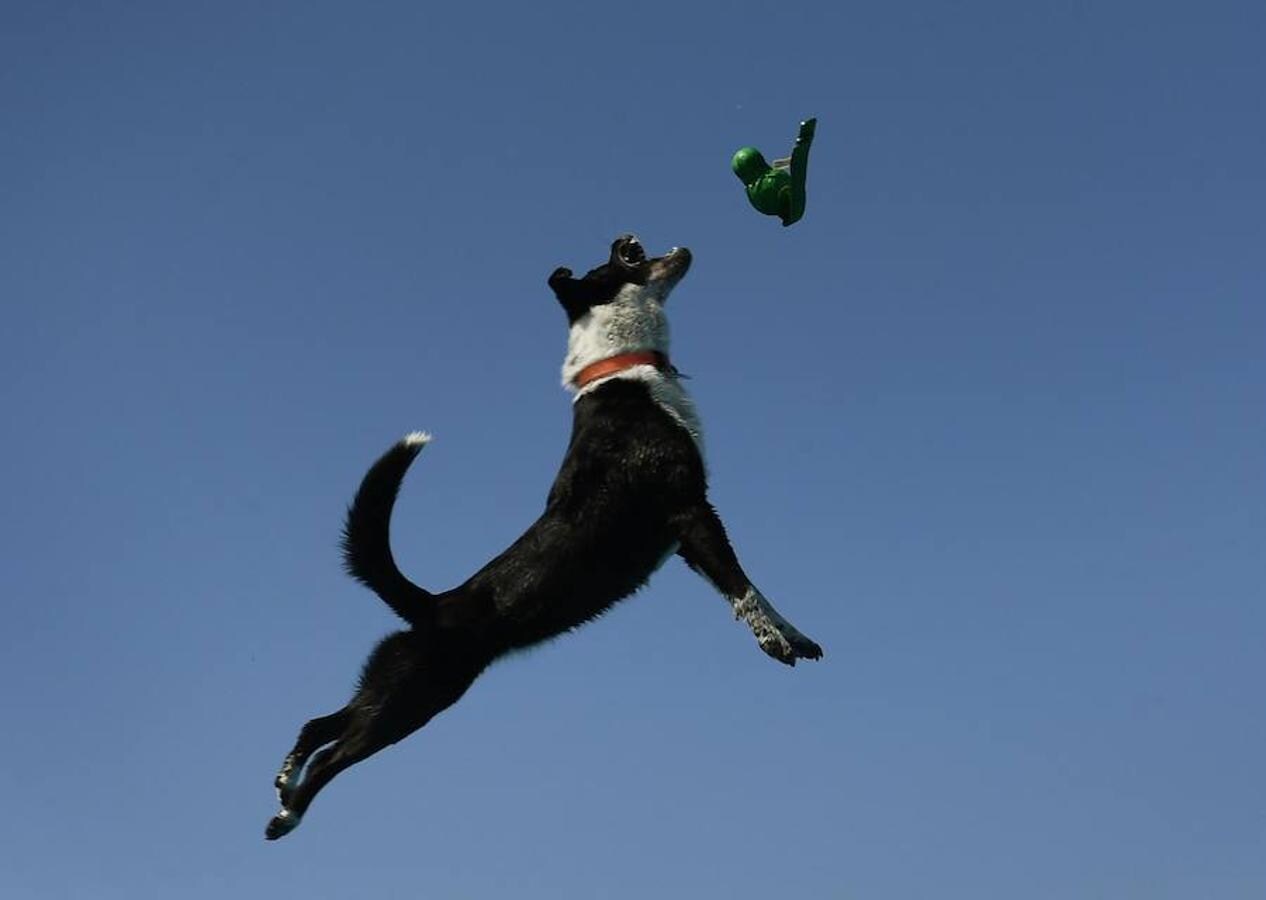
988	424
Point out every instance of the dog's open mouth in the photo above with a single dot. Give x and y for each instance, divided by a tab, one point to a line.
628	254
630	251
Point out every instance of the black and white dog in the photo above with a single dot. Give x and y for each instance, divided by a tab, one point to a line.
631	492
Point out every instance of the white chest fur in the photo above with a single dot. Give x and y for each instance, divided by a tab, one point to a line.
633	321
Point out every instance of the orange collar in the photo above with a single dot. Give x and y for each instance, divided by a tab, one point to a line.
613	364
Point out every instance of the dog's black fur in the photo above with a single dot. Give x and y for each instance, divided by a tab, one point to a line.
631	490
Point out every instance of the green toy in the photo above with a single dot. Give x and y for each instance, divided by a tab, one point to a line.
777	190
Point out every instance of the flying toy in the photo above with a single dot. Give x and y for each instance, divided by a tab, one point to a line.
778	189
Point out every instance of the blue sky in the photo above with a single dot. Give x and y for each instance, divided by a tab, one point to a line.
988	424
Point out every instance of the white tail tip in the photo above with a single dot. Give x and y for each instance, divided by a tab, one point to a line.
416	439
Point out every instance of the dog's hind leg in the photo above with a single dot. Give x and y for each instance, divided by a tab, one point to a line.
407	681
312	737
706	549
372	728
321	771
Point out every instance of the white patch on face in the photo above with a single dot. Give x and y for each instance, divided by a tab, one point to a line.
633	321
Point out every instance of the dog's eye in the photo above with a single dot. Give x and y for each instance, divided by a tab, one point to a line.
631	253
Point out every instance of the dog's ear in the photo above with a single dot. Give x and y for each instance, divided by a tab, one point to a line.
560	278
567	290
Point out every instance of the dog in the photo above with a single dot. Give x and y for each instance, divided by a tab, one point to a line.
631	492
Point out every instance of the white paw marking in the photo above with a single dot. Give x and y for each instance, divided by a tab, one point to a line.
775	634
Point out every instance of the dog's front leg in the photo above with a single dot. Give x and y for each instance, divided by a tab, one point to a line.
706	549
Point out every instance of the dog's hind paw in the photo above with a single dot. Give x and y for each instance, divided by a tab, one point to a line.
285	781
284	788
281	825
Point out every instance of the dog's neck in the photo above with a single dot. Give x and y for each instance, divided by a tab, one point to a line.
632	322
614	365
628	339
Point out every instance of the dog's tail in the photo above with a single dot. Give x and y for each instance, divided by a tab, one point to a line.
366	534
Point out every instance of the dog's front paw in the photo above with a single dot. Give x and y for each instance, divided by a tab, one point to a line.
777	646
804	647
788	647
776	636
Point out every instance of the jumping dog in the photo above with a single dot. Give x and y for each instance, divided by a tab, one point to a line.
631	492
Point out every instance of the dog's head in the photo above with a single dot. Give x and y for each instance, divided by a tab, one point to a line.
626	274
617	307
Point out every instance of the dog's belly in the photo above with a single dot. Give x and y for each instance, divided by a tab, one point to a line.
630	469
536	596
